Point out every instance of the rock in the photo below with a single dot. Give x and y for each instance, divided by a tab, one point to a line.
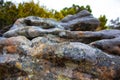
8	68
82	21
83	58
36	21
31	32
81	14
110	46
43	49
66	61
18	24
45	40
24	26
8	58
47	58
18	40
12	44
11	49
82	36
44	23
4	29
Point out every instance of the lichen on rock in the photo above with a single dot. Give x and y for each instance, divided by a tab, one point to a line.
44	49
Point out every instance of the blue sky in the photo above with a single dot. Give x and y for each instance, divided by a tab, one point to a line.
111	8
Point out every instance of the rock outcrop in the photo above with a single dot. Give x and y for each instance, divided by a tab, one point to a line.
83	21
44	49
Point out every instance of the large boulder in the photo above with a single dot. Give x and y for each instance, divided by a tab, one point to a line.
36	21
44	49
50	59
81	14
82	21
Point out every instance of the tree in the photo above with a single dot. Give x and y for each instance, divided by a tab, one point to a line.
58	15
1	2
115	24
103	21
74	9
88	8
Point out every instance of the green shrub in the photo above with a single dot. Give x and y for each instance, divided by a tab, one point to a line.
103	21
9	12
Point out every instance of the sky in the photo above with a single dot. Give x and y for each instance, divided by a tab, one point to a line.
110	8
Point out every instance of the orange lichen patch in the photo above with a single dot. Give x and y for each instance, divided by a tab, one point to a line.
80	33
38	50
26	78
11	49
43	49
46	67
77	29
81	76
18	65
106	74
114	50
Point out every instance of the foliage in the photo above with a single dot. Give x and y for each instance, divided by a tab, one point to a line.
74	9
58	15
103	21
9	12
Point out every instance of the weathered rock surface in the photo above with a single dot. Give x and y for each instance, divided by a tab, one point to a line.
71	60
9	67
81	14
44	49
36	21
31	31
83	21
3	30
111	44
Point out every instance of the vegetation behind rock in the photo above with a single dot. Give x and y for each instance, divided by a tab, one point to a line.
10	12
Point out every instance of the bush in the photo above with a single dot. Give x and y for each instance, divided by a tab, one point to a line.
103	21
9	12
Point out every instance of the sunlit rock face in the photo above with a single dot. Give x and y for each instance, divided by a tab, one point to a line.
44	49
